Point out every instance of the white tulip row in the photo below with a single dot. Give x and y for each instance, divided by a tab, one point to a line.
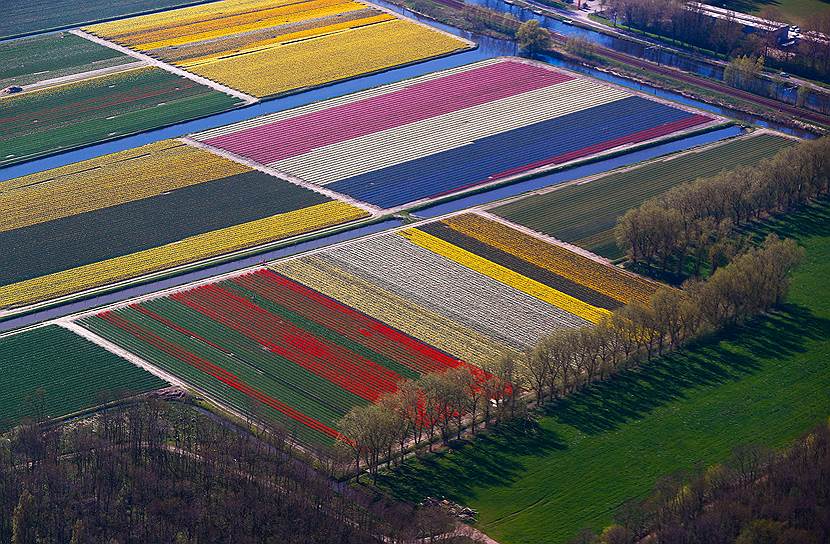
332	102
417	321
492	308
444	132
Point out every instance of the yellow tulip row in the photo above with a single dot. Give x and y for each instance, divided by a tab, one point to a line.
329	58
219	28
604	279
185	251
282	40
506	276
123	30
416	321
108	181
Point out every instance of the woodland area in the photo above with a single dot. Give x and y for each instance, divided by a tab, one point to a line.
161	472
756	496
694	228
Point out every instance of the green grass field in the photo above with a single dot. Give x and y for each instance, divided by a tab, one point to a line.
72	373
59	118
39	58
765	383
793	11
585	214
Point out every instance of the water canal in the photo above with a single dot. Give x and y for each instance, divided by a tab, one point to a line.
488	48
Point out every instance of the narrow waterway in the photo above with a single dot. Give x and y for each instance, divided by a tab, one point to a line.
495	47
653	51
570	174
152	287
488	48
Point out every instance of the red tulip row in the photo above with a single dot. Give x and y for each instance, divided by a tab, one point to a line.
217	372
348	322
342	367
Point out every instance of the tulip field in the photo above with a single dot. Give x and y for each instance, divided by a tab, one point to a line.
264	340
140	211
52	56
448	131
267	47
28	16
53	369
310	337
585	214
79	113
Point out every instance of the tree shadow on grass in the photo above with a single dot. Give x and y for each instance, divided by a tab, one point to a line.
492	460
719	359
809	221
495	460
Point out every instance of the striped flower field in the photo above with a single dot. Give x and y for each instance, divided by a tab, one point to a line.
54	370
64	116
311	337
268	47
452	130
266	343
140	211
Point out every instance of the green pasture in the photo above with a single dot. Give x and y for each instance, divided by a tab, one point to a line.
766	382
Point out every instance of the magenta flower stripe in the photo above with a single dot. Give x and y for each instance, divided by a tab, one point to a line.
297	135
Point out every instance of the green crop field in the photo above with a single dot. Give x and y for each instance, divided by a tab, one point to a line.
40	58
585	214
92	110
765	383
792	11
56	371
28	16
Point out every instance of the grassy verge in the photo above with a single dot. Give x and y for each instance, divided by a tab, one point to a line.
766	382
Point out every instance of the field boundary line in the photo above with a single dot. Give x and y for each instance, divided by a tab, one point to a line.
373	210
670	156
544	237
119	351
242	271
81	76
248	99
130	357
172	272
470	43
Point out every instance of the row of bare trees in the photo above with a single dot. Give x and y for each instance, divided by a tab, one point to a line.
442	404
686	22
689	227
159	472
753	283
439	405
756	496
677	20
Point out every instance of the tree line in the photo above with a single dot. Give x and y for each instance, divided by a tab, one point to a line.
756	496
684	22
440	405
160	472
690	228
